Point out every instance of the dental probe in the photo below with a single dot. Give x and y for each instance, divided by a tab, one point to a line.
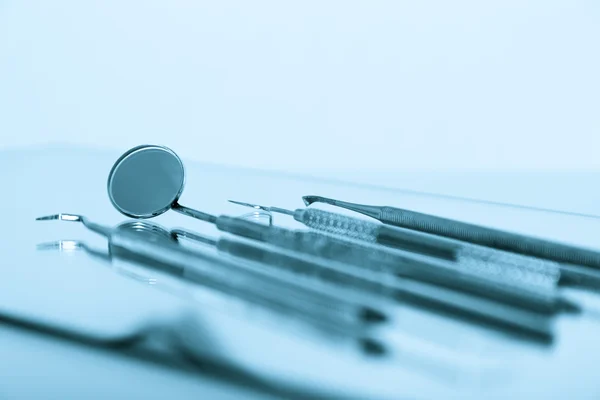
471	233
471	277
516	268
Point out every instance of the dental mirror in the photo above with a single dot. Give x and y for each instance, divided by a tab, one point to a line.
147	181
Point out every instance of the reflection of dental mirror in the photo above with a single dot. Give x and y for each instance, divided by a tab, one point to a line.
259	216
147	181
147	231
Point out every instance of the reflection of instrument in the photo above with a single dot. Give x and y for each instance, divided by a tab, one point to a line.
154	247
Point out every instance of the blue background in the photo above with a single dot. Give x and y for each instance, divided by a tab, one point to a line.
374	84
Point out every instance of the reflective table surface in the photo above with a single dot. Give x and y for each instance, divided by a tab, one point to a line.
87	310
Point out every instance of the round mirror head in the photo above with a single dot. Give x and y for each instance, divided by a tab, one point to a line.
146	181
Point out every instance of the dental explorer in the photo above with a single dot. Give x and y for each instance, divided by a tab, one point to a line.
402	290
271	290
476	234
516	268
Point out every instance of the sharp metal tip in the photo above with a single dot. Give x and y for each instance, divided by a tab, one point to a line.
240	203
264	208
61	217
48	245
47	217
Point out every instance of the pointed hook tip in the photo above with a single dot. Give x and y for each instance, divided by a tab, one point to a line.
308	200
241	203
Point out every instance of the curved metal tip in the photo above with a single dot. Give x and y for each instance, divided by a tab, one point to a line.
308	200
105	231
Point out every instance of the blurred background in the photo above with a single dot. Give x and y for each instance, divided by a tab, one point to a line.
312	86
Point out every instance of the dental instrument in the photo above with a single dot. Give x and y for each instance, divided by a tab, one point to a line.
147	181
412	292
515	268
519	270
471	233
381	260
272	290
382	234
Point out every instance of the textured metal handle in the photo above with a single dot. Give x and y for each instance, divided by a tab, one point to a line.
517	269
338	224
489	237
354	228
500	265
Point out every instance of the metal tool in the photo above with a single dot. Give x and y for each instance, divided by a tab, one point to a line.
476	234
414	266
515	268
412	292
335	223
378	260
276	291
